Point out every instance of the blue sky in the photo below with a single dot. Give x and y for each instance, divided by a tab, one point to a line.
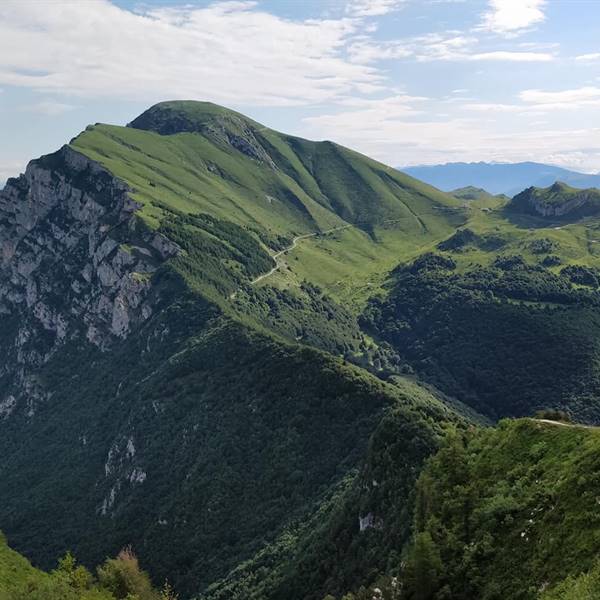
405	81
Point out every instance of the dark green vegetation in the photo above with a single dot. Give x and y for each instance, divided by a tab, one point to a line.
509	338
266	349
509	512
520	500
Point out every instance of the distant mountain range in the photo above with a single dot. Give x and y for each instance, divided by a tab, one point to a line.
499	178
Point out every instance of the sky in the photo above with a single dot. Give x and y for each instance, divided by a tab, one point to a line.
404	81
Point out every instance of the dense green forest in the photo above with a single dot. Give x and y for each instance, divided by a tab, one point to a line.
506	512
271	367
507	339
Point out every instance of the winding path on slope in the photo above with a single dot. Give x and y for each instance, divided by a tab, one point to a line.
563	424
298	238
295	241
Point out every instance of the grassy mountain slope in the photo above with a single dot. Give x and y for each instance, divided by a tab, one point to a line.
197	157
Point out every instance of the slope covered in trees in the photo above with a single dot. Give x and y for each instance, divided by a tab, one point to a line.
507	339
505	512
235	349
519	500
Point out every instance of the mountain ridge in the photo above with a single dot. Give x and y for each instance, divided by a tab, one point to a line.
135	378
500	178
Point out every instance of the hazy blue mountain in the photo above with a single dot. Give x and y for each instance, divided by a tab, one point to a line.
499	178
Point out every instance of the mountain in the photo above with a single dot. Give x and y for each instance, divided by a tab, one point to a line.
151	393
559	201
499	178
472	193
235	350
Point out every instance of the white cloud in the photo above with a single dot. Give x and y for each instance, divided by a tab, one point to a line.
513	56
540	102
591	56
418	137
230	52
492	107
447	46
565	99
366	51
511	17
372	8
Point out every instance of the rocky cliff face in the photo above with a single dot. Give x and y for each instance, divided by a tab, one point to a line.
75	265
557	201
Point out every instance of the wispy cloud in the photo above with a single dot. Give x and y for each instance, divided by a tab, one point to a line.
564	99
372	8
503	55
512	17
227	52
592	56
447	46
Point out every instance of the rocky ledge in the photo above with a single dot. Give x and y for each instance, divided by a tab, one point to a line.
76	262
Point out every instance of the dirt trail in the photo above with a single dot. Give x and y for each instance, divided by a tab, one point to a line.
298	238
295	241
562	424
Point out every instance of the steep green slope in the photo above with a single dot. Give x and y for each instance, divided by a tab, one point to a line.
209	446
197	157
507	513
359	528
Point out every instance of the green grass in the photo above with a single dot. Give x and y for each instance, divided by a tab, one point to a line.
281	186
15	571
